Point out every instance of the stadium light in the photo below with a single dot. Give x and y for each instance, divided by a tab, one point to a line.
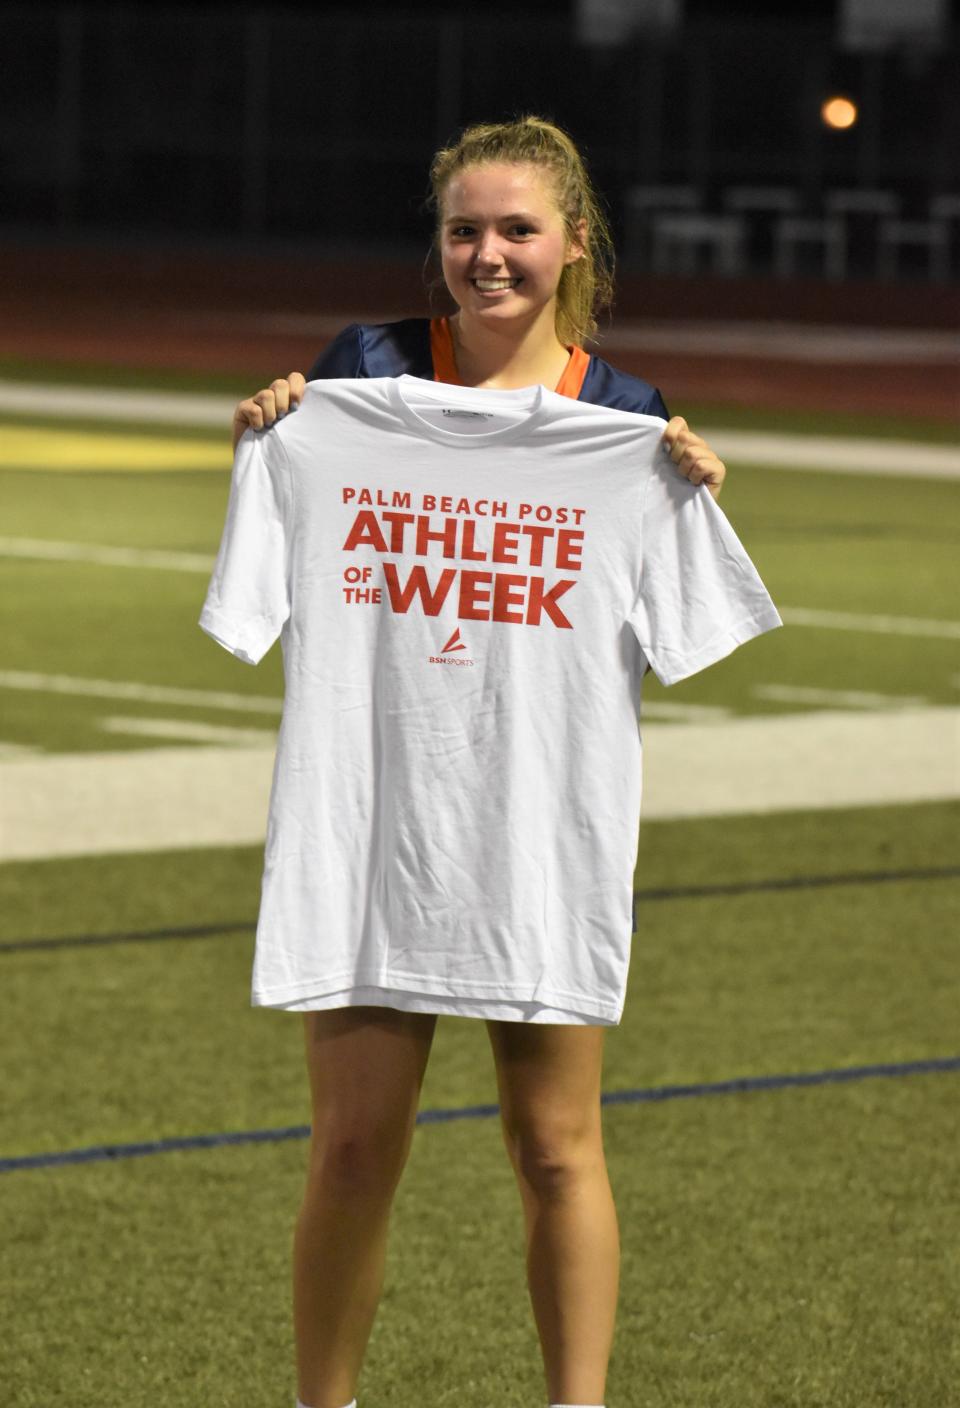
838	113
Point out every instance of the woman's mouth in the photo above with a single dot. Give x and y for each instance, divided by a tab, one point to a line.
494	286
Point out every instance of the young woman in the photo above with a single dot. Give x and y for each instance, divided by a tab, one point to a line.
526	255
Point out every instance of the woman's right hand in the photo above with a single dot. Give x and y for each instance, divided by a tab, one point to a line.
262	410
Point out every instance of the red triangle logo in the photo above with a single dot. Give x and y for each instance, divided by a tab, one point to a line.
454	643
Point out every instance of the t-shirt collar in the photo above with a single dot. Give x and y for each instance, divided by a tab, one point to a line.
532	399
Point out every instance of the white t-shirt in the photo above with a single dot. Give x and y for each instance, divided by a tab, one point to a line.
467	585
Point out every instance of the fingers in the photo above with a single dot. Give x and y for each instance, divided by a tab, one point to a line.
701	466
280	397
261	411
681	444
671	437
692	456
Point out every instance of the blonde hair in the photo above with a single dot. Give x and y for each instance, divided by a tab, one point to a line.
586	286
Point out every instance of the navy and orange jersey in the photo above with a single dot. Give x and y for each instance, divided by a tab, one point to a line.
424	347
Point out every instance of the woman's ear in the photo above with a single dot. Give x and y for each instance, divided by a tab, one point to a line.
578	245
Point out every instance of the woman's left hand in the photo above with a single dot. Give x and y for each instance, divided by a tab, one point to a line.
693	456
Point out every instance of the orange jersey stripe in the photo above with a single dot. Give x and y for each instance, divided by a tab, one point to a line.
573	373
445	366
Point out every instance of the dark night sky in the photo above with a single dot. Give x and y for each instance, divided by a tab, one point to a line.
695	9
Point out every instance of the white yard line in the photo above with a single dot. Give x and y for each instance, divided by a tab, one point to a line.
20	750
39	683
104	555
836	454
182	408
188	797
835	698
802	762
257	704
865	621
185	732
659	709
669	712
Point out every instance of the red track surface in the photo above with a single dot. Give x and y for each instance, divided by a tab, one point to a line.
193	311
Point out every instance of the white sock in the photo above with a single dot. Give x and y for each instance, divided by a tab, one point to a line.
552	1405
351	1404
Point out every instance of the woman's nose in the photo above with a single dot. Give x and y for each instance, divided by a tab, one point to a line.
489	251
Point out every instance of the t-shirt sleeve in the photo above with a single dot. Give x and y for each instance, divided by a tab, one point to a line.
700	595
248	598
341	357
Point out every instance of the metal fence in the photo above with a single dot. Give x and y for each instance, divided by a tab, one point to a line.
318	128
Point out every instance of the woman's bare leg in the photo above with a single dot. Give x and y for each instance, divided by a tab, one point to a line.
366	1068
549	1078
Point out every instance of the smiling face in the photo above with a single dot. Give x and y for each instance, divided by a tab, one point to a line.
502	242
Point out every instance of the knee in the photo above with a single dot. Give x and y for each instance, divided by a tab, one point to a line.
553	1160
360	1162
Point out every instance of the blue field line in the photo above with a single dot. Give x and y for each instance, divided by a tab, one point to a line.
98	1153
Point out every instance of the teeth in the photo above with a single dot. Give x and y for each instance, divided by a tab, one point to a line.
495	283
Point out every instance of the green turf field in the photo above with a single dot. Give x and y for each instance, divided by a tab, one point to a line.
793	1245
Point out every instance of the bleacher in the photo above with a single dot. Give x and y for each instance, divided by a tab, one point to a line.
748	229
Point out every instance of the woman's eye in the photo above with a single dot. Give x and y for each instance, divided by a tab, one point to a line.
461	230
